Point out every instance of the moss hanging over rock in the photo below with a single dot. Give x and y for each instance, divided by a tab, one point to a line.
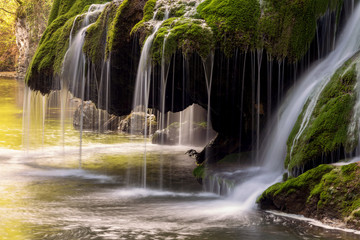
235	23
284	28
148	15
53	45
288	27
189	35
325	192
327	129
96	34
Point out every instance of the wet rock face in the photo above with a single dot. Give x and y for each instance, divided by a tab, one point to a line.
28	30
94	119
185	133
134	123
22	41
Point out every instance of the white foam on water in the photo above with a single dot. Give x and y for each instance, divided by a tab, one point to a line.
313	222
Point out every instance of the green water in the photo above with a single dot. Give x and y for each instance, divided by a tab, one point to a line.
43	194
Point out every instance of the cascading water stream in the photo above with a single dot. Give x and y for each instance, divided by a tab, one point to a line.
142	85
74	74
208	68
273	150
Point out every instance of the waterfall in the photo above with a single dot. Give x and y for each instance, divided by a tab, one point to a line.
142	85
208	69
59	106
273	150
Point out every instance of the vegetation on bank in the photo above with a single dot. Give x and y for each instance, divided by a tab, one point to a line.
323	192
327	130
8	49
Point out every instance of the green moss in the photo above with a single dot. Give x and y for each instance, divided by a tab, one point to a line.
339	189
304	182
178	10
148	15
186	34
202	124
199	172
235	23
326	189
231	158
100	35
54	11
285	28
327	129
48	58
288	27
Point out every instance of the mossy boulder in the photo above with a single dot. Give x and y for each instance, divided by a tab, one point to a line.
325	192
326	138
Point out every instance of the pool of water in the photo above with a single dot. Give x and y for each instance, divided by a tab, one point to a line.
44	195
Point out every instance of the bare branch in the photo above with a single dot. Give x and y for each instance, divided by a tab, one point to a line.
7	11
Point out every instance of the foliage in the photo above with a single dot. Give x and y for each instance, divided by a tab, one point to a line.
34	12
7	35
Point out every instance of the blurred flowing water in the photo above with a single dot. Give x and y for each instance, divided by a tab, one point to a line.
44	195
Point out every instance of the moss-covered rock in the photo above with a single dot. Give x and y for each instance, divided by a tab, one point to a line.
288	27
189	35
327	129
54	43
284	28
325	192
235	23
97	34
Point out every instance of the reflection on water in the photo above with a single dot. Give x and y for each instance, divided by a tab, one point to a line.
10	113
45	196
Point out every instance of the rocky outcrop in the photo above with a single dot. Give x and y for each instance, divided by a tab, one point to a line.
31	22
22	41
195	134
94	119
327	193
134	123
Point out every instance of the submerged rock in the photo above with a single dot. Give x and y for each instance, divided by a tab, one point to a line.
328	193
